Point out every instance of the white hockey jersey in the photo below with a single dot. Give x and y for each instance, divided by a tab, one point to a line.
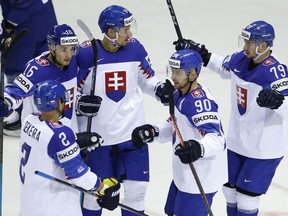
49	148
121	78
197	118
254	131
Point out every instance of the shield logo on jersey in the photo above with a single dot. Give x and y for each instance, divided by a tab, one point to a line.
68	108
241	96
115	85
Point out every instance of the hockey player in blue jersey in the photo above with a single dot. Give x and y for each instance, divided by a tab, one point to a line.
59	63
123	73
256	136
198	120
37	17
50	147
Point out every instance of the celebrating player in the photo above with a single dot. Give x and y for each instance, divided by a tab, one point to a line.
59	63
200	126
19	15
258	110
49	146
123	73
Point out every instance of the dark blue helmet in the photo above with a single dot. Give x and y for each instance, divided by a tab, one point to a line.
186	59
116	17
259	31
62	35
47	94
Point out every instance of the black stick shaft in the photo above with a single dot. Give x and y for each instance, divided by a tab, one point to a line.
174	19
171	89
44	175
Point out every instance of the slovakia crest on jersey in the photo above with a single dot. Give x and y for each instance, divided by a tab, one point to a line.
55	124
241	96
85	44
115	85
269	61
197	93
42	62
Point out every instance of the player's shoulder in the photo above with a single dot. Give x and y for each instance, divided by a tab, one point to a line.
272	61
134	42
40	61
196	99
58	127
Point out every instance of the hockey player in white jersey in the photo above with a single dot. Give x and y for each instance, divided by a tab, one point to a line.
198	120
59	63
50	147
256	136
123	73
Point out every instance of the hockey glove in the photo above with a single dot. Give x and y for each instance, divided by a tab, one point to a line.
4	108
142	134
161	93
189	44
272	99
6	34
88	105
89	140
191	152
110	193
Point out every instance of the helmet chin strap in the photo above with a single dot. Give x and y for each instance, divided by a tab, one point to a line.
190	84
113	41
260	54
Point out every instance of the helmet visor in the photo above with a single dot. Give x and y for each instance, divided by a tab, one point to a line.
129	29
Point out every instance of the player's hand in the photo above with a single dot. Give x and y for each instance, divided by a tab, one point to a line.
89	140
4	108
6	34
88	105
189	44
161	93
142	134
272	99
192	151
109	190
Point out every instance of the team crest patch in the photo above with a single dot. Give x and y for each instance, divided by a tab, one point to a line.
269	61
86	44
115	85
197	93
55	124
241	96
42	62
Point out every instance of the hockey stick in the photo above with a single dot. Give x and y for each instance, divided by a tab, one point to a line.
171	90
174	20
87	31
44	175
3	56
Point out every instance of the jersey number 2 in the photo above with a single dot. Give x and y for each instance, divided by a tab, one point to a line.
26	152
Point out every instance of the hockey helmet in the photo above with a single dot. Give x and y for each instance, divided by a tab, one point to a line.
186	59
259	31
115	17
62	35
47	94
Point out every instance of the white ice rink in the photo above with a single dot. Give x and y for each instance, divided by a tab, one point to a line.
217	24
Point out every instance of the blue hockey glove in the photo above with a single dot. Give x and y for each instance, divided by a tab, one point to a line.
88	105
110	193
189	44
4	108
89	140
272	99
142	134
191	152
161	93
